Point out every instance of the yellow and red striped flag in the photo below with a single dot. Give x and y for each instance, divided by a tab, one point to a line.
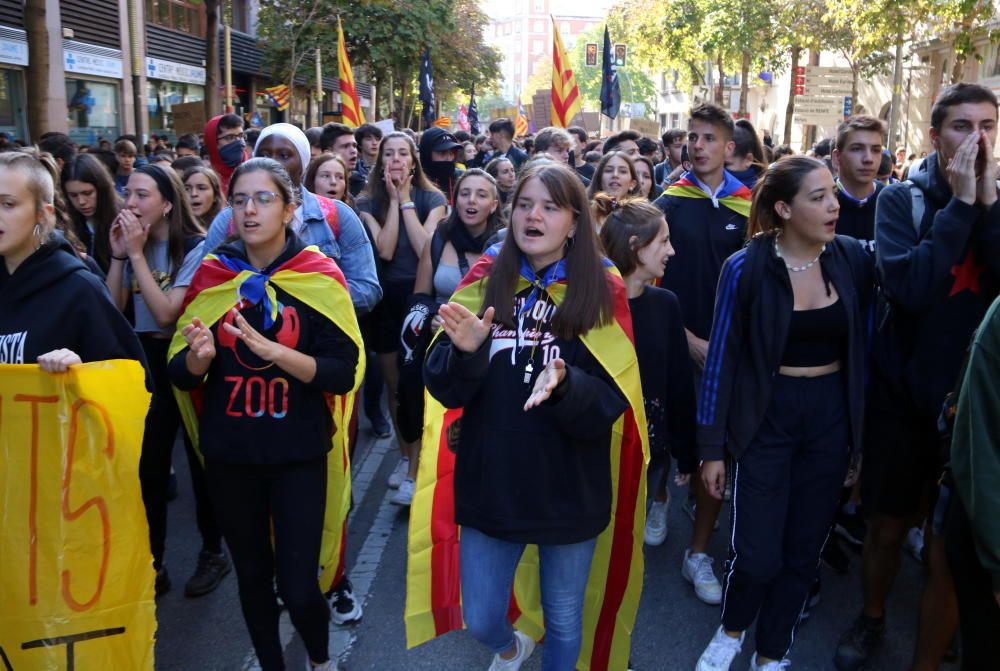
521	123
433	587
279	96
565	92
350	104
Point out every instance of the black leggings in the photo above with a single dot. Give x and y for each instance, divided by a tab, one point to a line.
249	499
162	422
786	486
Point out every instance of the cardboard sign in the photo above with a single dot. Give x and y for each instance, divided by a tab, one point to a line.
76	573
188	117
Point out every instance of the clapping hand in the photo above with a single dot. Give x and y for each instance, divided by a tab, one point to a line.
546	383
263	347
199	339
466	331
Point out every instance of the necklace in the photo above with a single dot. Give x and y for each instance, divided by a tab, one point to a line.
797	269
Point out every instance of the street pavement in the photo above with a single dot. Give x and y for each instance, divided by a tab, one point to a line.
208	633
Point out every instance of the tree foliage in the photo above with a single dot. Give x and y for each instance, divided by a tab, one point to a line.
386	39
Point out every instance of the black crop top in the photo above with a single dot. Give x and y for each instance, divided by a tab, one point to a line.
816	337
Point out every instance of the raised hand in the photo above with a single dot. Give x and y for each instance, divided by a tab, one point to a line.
546	383
117	239
961	169
263	347
57	361
200	340
135	232
466	331
390	187
987	184
403	188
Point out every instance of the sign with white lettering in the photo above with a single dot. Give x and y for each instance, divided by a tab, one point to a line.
170	71
90	64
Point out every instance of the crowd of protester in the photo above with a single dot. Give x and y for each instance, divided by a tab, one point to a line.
813	332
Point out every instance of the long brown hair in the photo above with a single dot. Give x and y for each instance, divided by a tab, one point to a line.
588	297
315	164
88	169
218	198
181	221
597	183
375	189
780	182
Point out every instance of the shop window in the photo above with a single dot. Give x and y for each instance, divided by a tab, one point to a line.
162	96
186	16
11	96
92	111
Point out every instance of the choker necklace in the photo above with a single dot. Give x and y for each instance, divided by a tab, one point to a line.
796	269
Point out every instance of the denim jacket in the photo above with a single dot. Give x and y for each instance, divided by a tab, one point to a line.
352	250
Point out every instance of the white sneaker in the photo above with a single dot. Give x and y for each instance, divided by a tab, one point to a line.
404	495
525	646
399	473
697	569
656	523
778	665
720	653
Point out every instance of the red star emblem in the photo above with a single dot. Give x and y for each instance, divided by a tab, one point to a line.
966	275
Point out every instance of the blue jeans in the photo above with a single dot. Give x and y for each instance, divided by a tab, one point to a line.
488	566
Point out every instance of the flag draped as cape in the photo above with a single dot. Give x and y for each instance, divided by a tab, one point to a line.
433	589
313	278
734	193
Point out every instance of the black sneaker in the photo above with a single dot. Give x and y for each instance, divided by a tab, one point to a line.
212	568
858	643
851	528
162	583
834	556
344	607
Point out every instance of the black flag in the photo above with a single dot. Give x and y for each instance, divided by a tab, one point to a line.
611	92
427	90
473	113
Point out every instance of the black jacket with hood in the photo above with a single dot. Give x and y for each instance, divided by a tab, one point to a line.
937	284
54	301
753	309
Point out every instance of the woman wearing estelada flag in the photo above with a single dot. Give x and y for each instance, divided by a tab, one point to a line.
539	487
269	349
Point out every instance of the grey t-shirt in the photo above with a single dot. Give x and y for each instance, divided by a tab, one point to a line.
404	262
158	258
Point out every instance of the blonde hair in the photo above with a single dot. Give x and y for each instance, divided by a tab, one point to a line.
41	184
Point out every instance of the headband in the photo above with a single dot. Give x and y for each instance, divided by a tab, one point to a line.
162	179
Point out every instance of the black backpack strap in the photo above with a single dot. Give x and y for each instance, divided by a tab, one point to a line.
437	248
191	242
463	264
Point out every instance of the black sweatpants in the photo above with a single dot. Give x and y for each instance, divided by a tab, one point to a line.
162	422
786	486
978	612
248	499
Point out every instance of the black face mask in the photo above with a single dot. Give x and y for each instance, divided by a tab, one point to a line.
232	153
440	171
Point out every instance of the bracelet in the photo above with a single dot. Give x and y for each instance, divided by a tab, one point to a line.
119	258
408	205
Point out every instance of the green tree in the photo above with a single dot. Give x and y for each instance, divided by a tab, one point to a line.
663	35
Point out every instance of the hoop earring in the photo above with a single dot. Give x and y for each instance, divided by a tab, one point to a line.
37	232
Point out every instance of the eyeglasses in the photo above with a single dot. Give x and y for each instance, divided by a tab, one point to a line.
260	199
231	137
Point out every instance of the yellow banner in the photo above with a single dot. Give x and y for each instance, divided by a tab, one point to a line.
76	576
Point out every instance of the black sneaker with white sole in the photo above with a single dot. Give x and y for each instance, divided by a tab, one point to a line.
344	608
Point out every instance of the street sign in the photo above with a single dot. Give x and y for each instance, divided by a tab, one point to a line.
591	54
815	80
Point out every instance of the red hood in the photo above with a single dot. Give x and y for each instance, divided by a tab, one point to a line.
211	144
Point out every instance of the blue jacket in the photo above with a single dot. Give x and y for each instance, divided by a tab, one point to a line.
753	309
352	250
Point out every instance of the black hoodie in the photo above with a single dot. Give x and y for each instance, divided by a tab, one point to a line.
53	301
253	411
939	283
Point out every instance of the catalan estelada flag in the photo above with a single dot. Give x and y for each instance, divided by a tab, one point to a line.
350	104
521	123
313	278
433	587
734	194
565	92
279	96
